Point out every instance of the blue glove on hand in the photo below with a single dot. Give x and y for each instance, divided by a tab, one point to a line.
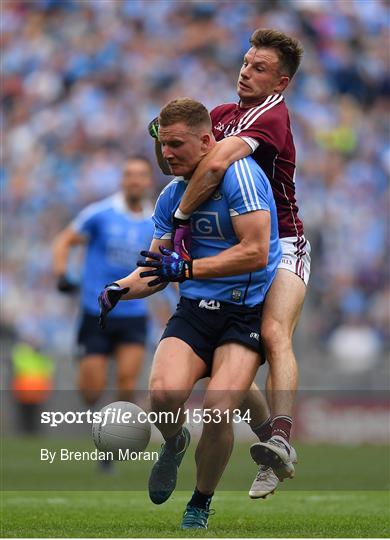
108	299
169	266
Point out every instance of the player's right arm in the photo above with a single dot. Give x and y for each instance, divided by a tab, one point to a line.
210	171
266	130
62	245
206	178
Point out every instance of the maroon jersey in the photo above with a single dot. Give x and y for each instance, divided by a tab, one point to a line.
266	128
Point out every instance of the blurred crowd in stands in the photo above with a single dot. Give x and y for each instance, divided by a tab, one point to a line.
81	81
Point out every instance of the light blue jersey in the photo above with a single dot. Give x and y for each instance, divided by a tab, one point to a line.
115	236
245	188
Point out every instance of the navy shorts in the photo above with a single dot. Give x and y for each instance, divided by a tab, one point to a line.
91	339
207	324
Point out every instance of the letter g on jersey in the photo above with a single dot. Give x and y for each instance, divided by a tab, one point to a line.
203	226
206	224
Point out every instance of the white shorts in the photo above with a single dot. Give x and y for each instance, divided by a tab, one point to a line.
296	256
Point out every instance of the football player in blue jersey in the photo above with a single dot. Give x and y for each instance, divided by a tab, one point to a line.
113	231
215	329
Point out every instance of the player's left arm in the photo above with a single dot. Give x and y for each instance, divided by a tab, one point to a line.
250	254
129	287
139	287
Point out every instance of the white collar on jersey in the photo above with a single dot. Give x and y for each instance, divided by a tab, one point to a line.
119	204
180	179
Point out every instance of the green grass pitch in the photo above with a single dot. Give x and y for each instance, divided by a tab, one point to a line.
130	514
338	492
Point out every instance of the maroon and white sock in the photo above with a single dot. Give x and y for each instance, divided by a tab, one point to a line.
263	431
281	427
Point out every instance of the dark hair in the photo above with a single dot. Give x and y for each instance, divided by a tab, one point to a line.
186	110
289	49
139	157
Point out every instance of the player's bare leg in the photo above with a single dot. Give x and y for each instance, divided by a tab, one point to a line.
176	368
92	377
129	360
227	388
282	309
92	381
256	403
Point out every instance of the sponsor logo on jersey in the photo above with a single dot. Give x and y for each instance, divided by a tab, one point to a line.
219	126
254	335
210	304
236	295
206	224
284	260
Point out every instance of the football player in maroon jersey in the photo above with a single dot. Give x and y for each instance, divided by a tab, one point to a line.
259	125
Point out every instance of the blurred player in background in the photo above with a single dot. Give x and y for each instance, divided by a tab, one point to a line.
259	125
215	330
112	231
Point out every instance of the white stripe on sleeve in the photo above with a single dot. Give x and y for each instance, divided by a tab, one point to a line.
251	142
258	204
241	186
247	184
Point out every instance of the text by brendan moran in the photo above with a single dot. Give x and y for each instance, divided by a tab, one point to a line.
64	454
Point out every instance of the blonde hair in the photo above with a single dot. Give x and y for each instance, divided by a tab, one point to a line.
186	110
